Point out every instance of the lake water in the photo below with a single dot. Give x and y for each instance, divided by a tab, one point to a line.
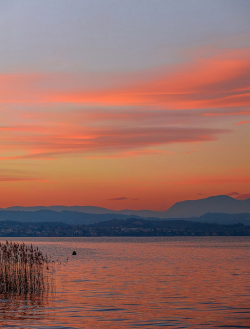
182	282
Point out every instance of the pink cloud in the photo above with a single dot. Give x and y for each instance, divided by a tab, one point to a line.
54	114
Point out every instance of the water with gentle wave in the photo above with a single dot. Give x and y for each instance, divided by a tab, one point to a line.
183	282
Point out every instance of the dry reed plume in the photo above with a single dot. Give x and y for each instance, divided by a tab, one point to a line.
23	269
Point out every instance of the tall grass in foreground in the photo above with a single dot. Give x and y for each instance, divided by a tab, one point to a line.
23	269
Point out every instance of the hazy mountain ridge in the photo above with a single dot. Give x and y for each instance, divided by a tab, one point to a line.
183	209
84	209
214	204
65	216
78	218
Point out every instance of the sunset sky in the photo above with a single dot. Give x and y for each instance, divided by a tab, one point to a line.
123	104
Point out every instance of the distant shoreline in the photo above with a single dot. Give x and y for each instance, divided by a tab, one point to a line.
133	227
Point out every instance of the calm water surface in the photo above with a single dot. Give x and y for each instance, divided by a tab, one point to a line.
171	282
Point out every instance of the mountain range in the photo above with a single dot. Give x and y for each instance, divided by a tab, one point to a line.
184	209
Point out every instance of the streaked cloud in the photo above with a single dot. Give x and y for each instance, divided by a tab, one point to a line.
215	180
4	178
239	196
87	141
243	196
233	194
122	199
241	122
121	112
218	81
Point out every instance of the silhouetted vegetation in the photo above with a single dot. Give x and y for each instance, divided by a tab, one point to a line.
23	269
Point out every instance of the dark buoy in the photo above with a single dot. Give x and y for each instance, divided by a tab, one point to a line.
74	253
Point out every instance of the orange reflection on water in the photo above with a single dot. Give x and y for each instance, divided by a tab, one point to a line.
157	282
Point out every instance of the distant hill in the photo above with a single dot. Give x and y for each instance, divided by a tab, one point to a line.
79	218
85	209
68	217
214	204
221	218
184	209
